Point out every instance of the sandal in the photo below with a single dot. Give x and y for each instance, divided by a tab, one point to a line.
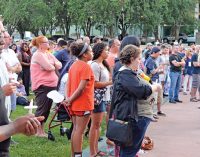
100	153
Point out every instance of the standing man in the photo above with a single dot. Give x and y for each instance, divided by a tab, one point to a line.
176	64
195	75
13	65
86	39
114	45
153	70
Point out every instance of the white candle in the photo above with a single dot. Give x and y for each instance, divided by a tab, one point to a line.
30	107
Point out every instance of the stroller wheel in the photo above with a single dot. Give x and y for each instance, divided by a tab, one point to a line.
50	136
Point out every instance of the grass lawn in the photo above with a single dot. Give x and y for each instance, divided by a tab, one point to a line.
42	147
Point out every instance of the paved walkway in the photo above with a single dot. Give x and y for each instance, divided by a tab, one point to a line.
177	135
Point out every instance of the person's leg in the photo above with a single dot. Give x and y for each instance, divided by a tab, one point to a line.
77	139
108	142
194	87
72	135
26	80
44	105
173	78
177	87
94	132
190	83
139	133
185	83
159	103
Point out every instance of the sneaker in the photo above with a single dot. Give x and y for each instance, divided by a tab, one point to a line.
155	116
172	101
160	113
165	95
180	101
100	139
154	120
193	100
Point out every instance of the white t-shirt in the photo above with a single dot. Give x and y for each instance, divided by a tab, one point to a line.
10	58
4	79
63	81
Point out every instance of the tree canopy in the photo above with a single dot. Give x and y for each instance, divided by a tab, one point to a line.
108	16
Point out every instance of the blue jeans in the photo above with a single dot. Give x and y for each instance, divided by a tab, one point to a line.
175	85
139	133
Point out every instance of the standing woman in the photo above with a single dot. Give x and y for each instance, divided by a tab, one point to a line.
129	88
44	78
24	57
102	80
14	48
80	92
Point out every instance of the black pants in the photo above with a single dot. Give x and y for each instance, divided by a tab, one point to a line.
26	79
4	148
42	101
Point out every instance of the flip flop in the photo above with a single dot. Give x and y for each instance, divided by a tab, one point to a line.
100	153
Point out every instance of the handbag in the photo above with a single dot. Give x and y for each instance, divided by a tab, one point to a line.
120	132
98	95
99	92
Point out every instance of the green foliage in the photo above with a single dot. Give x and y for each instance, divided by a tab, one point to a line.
106	15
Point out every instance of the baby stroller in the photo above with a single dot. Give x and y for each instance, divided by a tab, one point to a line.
60	116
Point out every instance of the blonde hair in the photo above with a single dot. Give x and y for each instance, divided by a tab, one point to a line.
188	52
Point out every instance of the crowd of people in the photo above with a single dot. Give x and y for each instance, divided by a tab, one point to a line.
132	81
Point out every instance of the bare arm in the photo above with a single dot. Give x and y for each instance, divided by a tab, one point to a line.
15	69
196	64
21	62
26	125
57	63
102	84
77	92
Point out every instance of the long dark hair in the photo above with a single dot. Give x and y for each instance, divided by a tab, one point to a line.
97	50
12	46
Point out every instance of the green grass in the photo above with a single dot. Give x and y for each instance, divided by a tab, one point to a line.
42	147
39	147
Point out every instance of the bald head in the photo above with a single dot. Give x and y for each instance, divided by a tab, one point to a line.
86	39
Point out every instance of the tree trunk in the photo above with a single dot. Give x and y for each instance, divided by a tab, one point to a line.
177	30
10	29
155	32
22	34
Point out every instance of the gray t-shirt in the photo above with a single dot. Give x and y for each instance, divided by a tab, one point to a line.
101	74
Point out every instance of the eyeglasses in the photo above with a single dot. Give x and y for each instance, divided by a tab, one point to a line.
45	42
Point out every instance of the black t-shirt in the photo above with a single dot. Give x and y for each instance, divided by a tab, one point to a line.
178	58
196	70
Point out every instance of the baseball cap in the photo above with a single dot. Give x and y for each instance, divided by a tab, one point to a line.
155	50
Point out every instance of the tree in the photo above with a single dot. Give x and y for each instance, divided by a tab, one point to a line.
179	13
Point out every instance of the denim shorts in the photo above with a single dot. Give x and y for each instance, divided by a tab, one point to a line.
100	108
